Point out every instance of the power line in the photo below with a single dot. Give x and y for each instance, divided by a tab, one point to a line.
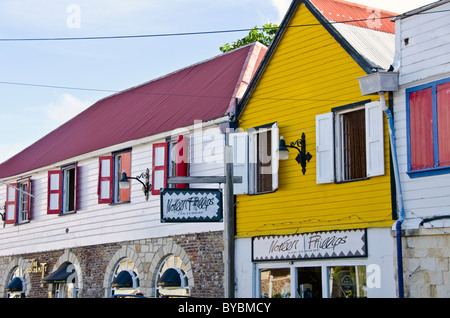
130	91
177	34
201	32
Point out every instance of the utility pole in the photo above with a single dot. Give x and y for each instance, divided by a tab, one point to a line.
229	224
228	214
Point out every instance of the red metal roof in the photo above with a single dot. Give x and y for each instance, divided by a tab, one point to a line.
365	16
203	91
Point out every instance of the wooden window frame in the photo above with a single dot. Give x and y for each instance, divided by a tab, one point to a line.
436	168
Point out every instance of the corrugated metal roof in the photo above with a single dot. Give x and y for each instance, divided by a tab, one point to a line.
380	55
203	91
367	30
361	15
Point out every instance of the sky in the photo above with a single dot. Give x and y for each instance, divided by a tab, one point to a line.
101	67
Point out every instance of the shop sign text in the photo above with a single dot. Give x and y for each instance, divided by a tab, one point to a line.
333	244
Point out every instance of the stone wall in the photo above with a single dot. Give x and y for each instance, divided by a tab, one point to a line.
201	254
426	263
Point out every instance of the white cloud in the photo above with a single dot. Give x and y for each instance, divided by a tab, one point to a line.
68	107
282	6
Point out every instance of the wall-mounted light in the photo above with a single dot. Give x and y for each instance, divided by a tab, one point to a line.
302	157
125	184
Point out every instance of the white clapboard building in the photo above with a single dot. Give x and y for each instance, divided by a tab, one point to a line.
71	230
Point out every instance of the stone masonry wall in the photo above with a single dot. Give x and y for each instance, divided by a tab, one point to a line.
426	264
201	253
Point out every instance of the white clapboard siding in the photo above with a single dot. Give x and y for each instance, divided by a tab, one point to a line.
427	51
104	223
425	58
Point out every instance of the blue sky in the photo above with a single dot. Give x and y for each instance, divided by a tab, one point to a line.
28	113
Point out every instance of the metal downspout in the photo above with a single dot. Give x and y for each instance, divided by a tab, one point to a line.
398	187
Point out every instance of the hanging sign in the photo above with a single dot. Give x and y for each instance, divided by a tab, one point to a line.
318	245
191	205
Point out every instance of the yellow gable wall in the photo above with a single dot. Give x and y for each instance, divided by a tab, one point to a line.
308	74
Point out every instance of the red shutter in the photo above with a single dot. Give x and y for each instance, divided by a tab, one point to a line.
105	180
421	129
126	166
11	204
159	167
182	153
54	193
443	115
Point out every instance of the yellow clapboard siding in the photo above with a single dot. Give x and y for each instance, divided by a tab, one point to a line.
309	74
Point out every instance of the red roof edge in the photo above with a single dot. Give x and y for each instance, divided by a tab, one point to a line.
364	16
251	64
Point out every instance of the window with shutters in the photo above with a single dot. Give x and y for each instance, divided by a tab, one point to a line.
255	159
350	143
428	128
351	150
18	202
170	159
110	173
62	190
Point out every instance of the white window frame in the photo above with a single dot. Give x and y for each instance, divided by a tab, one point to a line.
328	143
245	156
66	189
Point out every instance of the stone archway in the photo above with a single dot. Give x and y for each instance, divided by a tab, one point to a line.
12	265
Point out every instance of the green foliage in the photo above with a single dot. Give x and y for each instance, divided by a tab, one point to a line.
263	35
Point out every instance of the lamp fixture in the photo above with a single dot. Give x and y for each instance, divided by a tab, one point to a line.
302	157
146	186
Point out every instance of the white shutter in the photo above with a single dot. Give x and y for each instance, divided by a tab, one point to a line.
324	148
275	160
374	139
239	142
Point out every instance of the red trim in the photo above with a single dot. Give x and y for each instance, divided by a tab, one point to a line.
182	153
57	191
11	203
162	167
102	178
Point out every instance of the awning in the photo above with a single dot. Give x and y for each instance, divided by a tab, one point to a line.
16	285
61	274
173	278
126	279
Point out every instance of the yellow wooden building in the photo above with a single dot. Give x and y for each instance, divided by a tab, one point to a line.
320	227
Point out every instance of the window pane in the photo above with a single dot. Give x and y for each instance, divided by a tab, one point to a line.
421	129
276	283
106	168
10	211
347	282
309	282
69	190
104	193
158	179
353	145
54	201
54	182
443	114
264	161
159	156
